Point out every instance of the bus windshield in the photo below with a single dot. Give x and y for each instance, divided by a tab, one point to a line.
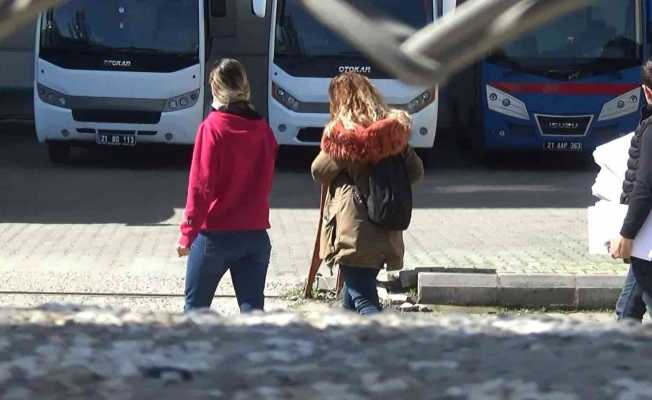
111	27
599	38
300	38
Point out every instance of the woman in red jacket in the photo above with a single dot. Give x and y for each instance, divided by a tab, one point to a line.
227	211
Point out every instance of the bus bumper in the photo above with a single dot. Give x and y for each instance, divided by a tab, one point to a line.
57	124
517	135
303	129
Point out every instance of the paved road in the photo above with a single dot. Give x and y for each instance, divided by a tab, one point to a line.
107	222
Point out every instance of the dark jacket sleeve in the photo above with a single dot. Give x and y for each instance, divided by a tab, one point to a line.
640	202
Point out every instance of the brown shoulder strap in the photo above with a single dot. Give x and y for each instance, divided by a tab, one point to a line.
315	262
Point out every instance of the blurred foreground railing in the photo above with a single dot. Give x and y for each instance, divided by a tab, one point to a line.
14	13
425	57
431	55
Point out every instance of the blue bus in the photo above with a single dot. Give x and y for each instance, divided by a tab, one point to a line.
569	86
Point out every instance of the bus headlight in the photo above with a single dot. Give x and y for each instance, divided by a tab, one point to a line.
182	102
422	101
51	96
624	104
506	104
282	96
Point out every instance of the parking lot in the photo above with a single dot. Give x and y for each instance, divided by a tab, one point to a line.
106	223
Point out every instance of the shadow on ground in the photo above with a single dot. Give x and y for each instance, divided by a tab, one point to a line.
144	186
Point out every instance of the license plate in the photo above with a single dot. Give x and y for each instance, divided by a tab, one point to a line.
562	146
116	140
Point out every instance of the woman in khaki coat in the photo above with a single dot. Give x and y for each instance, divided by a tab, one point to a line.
361	132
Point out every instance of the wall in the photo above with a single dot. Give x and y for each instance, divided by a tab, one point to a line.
16	74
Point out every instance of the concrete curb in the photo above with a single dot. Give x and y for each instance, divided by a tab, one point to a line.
470	287
545	290
409	277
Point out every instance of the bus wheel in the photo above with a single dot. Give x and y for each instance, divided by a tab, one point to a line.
479	150
59	152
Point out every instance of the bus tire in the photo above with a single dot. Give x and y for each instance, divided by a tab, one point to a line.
476	140
58	152
481	153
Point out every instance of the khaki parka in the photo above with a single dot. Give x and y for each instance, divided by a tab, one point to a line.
347	236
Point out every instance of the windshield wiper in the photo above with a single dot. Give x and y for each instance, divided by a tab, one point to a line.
136	50
349	53
150	51
75	46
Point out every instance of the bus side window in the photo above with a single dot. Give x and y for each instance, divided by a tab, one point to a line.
218	8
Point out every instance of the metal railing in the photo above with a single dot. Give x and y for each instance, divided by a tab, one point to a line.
14	13
426	57
432	54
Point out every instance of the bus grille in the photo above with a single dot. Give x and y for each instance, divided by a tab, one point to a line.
563	125
116	116
310	135
521	130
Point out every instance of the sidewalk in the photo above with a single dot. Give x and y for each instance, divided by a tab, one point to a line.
115	258
511	241
107	225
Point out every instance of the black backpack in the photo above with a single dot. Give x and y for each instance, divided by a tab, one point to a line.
389	204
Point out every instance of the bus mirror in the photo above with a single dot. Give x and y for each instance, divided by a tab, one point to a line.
259	7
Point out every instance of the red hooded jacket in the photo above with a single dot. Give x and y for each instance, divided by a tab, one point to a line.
231	174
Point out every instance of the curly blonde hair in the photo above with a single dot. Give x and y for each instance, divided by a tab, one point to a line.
355	101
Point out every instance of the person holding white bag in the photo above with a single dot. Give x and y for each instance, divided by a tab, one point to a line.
637	194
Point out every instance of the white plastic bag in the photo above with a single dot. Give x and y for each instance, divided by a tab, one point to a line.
605	218
607	186
613	156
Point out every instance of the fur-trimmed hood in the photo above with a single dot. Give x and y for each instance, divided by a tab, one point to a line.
384	138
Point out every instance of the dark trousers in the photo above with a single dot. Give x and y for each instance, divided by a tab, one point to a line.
630	303
642	271
359	292
245	254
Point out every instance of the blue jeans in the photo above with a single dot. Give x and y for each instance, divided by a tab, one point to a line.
245	254
359	292
630	303
642	271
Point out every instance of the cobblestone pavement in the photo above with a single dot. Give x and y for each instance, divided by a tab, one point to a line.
63	352
107	223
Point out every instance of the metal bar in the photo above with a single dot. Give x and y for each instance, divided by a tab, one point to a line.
432	54
469	20
364	30
471	35
14	13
